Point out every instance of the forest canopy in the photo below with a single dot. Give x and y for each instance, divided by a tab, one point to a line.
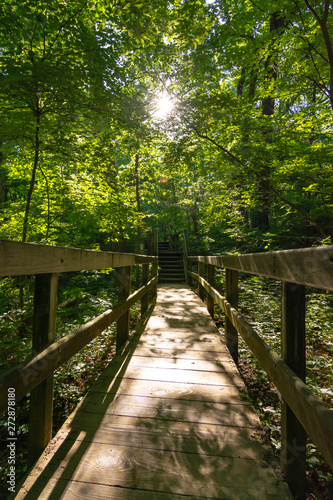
214	116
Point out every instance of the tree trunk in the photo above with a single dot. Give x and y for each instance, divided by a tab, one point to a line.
33	175
260	218
138	206
3	190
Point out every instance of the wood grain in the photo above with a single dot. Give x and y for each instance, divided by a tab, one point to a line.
306	266
17	258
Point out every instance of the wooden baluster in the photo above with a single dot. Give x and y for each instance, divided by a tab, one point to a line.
145	298
201	272
154	267
44	332
124	277
231	287
293	435
210	279
189	270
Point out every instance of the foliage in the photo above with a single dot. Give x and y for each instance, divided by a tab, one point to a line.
243	161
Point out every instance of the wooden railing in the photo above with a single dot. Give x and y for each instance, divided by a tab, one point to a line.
35	376
302	411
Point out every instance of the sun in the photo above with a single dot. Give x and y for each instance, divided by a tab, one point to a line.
163	106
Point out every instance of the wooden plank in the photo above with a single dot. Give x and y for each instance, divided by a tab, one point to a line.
235	415
185	364
182	343
77	490
170	472
306	266
17	258
172	352
182	376
315	417
168	435
190	392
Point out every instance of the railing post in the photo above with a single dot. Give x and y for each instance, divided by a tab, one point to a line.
44	332
189	270
124	275
231	294
154	267
185	256
145	298
210	279
293	435
201	272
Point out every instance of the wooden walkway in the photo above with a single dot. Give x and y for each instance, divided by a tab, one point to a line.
166	420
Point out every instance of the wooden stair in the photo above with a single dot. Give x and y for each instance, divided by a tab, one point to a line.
171	266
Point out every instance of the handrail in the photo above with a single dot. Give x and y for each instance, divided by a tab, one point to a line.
185	254
18	258
306	266
35	376
302	410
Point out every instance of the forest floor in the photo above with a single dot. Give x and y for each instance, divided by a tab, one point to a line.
84	295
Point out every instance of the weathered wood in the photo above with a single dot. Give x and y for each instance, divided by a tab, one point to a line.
231	293
178	390
124	278
307	266
145	298
225	440
315	417
293	435
18	258
44	332
201	272
209	298
25	377
154	266
189	272
160	438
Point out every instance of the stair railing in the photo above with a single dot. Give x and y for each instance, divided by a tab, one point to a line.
302	411
35	375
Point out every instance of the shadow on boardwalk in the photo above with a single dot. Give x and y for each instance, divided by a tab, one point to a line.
167	419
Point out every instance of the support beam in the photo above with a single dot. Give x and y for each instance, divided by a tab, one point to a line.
201	272
293	435
145	298
44	331
189	272
154	267
210	279
231	294
124	275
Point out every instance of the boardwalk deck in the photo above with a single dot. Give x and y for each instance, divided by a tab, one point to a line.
167	419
